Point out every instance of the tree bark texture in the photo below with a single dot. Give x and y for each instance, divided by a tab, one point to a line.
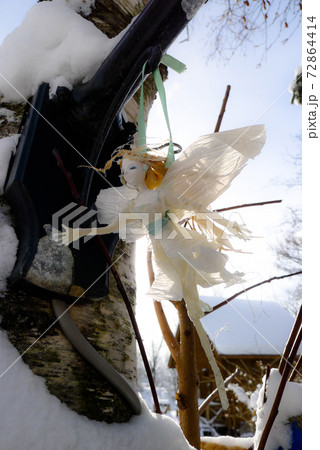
184	355
104	323
28	319
187	396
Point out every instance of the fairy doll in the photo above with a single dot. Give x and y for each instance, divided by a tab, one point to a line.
171	206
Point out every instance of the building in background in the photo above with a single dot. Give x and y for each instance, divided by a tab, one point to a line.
248	335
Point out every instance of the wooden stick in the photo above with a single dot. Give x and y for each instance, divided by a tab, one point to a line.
126	300
228	300
213	394
223	109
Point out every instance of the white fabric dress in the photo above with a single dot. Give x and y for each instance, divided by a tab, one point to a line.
184	257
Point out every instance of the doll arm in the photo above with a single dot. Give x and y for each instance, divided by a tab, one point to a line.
70	235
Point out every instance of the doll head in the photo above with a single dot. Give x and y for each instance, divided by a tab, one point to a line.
138	167
133	172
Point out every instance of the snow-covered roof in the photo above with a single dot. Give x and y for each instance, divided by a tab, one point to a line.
247	327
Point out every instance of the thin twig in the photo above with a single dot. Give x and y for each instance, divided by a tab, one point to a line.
228	300
246	205
223	109
134	325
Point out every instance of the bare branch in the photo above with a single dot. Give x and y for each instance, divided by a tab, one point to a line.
168	336
228	300
223	108
246	205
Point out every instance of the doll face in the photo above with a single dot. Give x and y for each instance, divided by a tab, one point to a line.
133	172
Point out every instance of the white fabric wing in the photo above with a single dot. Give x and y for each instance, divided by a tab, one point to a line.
208	166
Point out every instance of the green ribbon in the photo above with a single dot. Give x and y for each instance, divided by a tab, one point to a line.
179	67
173	63
157	226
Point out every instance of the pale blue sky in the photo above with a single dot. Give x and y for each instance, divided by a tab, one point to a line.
12	14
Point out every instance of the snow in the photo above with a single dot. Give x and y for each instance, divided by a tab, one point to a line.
7	147
166	398
8	238
280	435
290	406
53	44
245	327
230	441
80	6
248	398
8	248
33	419
8	115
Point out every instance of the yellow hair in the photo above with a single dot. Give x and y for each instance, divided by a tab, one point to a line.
156	164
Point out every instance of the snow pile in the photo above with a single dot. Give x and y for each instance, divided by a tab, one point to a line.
8	115
53	426
248	398
8	238
280	435
228	441
290	406
167	400
8	248
7	147
53	44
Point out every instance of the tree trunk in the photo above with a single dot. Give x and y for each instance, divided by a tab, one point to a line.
104	323
187	396
28	319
